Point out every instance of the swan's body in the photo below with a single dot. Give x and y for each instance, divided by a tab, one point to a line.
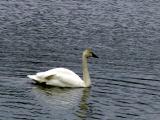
60	77
63	77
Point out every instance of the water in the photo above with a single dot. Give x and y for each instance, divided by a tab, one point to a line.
39	35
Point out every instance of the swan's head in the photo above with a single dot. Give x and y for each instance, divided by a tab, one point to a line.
89	53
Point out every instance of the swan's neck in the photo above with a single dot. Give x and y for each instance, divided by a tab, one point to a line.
86	76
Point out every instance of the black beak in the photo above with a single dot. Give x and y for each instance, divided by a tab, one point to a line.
95	56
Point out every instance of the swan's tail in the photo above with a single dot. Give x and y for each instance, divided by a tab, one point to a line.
32	77
35	78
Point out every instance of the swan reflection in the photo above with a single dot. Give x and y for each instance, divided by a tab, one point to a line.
83	109
64	99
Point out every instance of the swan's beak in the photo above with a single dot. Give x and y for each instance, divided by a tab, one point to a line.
94	55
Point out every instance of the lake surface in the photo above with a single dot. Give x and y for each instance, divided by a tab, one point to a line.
43	34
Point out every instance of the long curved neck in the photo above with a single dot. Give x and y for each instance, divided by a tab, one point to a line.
86	76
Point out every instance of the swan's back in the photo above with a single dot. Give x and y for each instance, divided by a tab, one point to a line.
61	77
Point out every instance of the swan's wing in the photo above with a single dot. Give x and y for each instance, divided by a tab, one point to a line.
64	78
50	77
42	76
69	78
51	74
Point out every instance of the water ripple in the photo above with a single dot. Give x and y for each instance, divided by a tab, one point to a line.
39	35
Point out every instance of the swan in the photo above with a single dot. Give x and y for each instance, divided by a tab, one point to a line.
62	77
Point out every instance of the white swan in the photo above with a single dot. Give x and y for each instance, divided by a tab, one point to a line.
63	77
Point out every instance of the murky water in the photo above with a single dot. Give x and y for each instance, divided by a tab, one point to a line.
39	35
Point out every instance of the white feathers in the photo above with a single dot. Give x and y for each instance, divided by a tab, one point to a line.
60	77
